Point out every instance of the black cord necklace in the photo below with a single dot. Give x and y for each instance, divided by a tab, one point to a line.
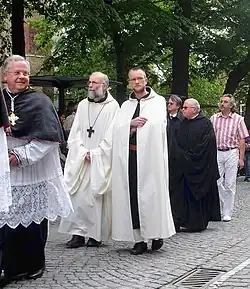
91	130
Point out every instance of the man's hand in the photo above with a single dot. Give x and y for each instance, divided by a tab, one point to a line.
132	130
138	122
87	157
241	163
7	131
13	160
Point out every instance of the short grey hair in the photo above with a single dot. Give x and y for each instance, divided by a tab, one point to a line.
232	101
14	58
195	103
175	98
104	76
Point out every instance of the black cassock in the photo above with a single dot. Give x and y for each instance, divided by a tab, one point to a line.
173	126
22	249
195	200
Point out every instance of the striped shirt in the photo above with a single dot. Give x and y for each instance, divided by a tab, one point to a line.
229	130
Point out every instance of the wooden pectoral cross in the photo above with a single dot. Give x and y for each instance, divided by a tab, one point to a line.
90	130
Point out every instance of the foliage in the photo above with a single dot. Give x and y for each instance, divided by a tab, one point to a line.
80	36
207	92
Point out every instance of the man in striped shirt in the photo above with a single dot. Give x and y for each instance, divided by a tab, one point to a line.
230	131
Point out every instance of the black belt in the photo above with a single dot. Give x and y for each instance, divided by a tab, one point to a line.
226	149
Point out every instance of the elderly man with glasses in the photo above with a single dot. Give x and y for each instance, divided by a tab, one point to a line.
37	186
197	190
87	171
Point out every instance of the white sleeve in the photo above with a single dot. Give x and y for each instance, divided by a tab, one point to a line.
33	152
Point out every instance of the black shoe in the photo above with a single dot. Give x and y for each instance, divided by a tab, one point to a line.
191	230
157	244
36	274
93	243
76	242
177	228
139	248
4	281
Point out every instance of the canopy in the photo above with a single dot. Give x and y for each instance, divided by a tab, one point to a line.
62	83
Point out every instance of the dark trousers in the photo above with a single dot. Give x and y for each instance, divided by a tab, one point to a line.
247	164
23	249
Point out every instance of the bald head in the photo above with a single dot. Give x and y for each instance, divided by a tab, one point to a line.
193	102
191	108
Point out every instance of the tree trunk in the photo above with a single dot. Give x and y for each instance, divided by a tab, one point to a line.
247	112
17	27
121	67
181	51
237	75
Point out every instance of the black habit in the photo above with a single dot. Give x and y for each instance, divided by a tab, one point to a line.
195	198
132	170
173	126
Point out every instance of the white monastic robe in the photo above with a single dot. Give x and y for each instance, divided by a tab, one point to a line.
89	184
152	162
5	189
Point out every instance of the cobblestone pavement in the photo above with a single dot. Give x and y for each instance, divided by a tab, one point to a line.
224	246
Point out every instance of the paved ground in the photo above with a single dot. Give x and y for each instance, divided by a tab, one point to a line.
224	246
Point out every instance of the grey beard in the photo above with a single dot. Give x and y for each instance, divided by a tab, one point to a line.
95	95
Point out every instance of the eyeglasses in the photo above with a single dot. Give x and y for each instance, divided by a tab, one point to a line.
94	82
136	79
185	107
18	73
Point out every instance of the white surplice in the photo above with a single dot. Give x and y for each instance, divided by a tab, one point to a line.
89	184
37	185
152	161
5	190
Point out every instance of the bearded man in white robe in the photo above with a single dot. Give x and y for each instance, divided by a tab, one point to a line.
140	196
88	166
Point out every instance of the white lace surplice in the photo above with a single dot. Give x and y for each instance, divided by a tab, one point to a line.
5	190
38	189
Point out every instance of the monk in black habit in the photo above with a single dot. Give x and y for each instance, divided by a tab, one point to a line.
174	119
196	198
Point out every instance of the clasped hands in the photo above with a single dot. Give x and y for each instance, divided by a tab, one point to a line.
13	160
87	157
137	122
7	130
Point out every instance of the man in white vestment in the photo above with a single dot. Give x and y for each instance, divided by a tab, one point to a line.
38	191
87	170
140	196
5	190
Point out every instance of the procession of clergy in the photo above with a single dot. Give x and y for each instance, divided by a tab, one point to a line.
133	173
